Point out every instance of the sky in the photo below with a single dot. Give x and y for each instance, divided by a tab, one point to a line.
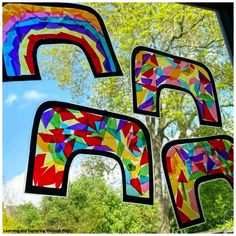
20	102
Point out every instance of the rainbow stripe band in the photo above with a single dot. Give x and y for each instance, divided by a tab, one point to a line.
79	25
62	130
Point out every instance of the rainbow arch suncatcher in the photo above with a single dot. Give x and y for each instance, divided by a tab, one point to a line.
27	26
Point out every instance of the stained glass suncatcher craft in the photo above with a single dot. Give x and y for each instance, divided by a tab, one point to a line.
63	130
27	26
154	70
189	162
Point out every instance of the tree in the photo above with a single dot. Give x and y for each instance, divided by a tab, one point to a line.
7	222
23	218
92	206
175	28
27	217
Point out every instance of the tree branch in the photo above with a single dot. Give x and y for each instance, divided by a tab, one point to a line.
227	105
174	37
197	46
182	32
166	138
197	22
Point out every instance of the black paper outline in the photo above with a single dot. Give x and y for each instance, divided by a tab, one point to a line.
199	181
37	76
158	93
29	188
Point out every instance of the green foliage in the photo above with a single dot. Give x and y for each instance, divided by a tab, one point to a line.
229	224
21	218
94	207
66	65
190	32
217	204
97	165
7	222
27	216
91	206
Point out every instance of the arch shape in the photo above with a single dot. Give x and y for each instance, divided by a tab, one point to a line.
26	26
153	70
189	162
63	130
